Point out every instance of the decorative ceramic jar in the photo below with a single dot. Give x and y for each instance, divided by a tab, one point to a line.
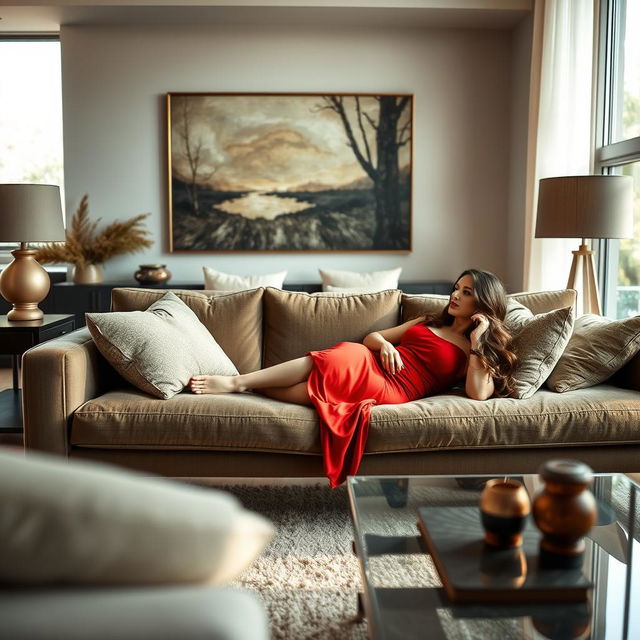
152	274
87	274
504	507
565	509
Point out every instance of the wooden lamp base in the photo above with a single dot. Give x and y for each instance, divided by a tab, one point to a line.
590	297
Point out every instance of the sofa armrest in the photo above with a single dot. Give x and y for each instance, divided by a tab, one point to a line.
629	376
57	377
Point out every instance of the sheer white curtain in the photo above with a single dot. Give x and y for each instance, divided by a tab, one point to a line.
562	138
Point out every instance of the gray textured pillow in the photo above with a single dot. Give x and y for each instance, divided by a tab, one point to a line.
73	522
159	349
597	349
538	341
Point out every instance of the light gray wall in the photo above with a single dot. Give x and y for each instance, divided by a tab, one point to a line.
115	80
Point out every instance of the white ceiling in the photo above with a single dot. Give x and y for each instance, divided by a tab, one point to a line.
38	17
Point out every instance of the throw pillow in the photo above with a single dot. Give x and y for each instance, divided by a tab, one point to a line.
79	523
517	316
597	349
372	280
218	281
538	341
158	350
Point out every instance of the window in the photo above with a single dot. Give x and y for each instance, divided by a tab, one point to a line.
618	149
30	114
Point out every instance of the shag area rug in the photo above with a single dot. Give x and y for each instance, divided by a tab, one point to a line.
308	578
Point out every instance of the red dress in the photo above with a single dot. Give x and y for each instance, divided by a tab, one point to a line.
348	379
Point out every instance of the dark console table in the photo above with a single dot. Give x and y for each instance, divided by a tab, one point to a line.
78	299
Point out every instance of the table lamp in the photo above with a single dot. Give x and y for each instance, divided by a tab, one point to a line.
28	213
596	206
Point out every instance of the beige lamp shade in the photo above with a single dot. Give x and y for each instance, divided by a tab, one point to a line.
30	213
598	206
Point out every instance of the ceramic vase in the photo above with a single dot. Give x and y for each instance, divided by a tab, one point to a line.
565	509
152	274
504	507
87	274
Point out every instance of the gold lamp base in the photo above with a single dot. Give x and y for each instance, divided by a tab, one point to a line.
24	283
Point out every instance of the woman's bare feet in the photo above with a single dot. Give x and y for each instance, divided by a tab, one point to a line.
213	384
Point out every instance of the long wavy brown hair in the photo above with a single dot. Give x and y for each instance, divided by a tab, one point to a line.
495	344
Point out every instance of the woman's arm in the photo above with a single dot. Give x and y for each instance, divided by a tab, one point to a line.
384	341
479	383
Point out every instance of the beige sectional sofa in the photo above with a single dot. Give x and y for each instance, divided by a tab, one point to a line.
76	405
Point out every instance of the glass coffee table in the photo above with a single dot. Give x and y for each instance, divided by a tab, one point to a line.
402	594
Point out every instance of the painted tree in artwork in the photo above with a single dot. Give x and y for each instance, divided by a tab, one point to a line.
193	149
384	169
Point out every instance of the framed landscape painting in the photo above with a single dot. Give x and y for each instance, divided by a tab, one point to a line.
289	172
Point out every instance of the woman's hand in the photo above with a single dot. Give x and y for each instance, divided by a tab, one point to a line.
390	358
482	324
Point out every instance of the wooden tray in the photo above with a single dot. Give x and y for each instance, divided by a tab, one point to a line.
472	572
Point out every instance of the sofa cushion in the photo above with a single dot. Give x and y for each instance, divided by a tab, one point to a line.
296	323
536	301
598	347
79	523
248	422
423	304
233	319
158	350
543	301
595	416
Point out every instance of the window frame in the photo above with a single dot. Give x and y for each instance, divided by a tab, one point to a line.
7	247
608	155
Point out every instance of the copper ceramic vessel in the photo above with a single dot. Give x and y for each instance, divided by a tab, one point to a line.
565	509
504	507
152	274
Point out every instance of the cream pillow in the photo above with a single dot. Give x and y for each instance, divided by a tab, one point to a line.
372	281
158	350
538	341
350	290
597	349
218	281
71	522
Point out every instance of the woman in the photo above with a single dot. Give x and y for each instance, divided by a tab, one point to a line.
418	358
